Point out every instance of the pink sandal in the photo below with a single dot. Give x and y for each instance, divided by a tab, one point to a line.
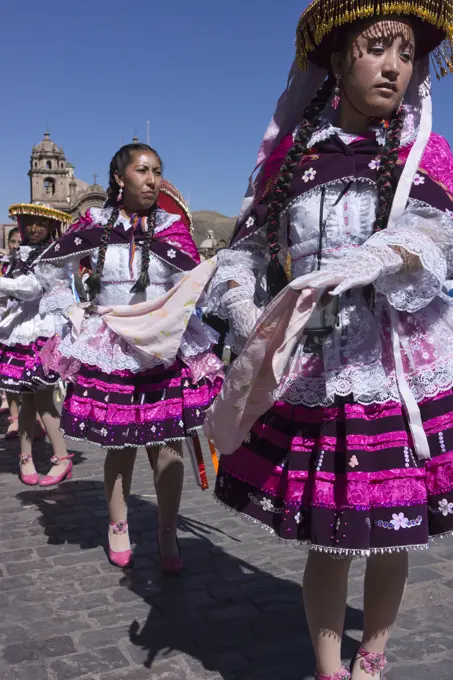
121	558
48	480
29	480
371	663
342	674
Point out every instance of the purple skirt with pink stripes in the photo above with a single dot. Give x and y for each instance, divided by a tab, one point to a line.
21	369
125	409
345	479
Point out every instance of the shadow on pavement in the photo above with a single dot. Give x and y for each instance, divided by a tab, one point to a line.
230	616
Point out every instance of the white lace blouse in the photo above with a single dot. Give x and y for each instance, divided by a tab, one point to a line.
96	344
357	356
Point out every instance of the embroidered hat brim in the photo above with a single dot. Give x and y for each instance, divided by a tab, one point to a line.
39	210
316	28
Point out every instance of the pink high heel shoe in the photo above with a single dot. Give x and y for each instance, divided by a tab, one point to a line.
48	480
172	566
29	480
124	557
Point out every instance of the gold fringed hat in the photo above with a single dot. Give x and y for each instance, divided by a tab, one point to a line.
317	24
38	210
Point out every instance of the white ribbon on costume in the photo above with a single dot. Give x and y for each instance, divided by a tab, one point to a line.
420	440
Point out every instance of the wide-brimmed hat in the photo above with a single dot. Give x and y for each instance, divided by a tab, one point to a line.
171	200
39	210
316	28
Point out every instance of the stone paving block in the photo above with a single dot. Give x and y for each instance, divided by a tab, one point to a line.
15	582
82	602
33	651
437	670
78	665
112	616
19	568
26	671
103	637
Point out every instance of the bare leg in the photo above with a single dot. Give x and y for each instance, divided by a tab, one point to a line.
168	465
45	406
27	422
385	581
13	405
325	594
118	469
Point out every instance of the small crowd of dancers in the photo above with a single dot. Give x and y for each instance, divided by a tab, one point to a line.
334	421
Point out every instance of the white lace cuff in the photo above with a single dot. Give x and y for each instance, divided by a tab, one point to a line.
198	338
409	291
232	265
242	314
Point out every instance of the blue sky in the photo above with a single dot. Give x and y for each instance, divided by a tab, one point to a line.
205	74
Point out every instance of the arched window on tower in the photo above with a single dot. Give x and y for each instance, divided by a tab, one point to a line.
49	165
49	187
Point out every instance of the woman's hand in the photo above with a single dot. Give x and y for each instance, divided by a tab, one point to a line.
358	268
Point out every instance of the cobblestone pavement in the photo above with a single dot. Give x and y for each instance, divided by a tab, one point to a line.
235	615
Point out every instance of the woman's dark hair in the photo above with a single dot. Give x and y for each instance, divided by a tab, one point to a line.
118	165
13	231
386	178
276	277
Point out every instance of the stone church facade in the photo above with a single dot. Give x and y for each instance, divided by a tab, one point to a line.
52	181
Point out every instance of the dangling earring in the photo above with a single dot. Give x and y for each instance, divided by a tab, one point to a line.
400	107
336	94
119	198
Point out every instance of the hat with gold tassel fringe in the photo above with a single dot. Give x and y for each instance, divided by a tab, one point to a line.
317	26
39	210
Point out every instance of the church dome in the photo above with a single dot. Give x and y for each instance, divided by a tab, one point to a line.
47	145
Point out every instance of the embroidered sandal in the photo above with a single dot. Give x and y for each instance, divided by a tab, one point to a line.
371	663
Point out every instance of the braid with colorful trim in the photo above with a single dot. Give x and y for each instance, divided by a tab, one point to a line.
386	175
94	281
276	277
142	282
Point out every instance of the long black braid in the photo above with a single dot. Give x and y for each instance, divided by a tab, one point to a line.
386	175
142	282
93	283
276	277
118	165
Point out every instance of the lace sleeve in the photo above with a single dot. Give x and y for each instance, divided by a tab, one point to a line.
24	287
427	234
57	284
244	264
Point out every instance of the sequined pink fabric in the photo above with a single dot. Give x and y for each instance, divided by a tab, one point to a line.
437	161
178	235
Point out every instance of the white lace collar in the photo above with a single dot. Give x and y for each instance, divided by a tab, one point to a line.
163	218
326	130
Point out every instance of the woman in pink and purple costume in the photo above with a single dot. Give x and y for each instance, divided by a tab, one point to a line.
29	321
120	398
342	397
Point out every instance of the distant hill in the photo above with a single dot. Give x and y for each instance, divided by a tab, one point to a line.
221	225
